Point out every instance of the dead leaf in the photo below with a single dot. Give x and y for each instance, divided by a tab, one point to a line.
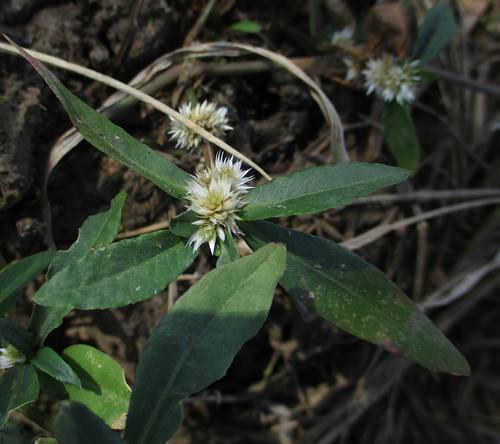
338	11
472	11
388	28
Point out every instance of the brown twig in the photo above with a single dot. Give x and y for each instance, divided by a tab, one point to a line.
464	81
202	19
129	36
382	230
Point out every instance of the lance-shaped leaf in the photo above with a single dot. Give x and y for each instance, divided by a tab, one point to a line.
51	387
400	135
19	274
182	225
51	363
357	297
197	340
97	231
16	335
113	140
120	274
104	389
76	424
434	34
18	386
44	320
317	189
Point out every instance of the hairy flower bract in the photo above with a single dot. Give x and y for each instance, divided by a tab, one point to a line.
10	356
205	115
391	81
215	196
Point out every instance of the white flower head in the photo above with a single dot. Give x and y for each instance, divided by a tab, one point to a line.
343	37
215	196
10	356
205	115
391	81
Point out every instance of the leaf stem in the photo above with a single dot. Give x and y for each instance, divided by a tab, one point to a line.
37	417
208	153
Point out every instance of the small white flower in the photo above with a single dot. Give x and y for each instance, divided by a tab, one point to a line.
205	115
343	37
10	356
215	196
391	81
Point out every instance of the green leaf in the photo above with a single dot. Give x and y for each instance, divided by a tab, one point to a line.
197	340
112	139
51	363
426	77
245	26
76	424
317	189
120	274
357	297
229	252
16	335
13	435
16	276
44	320
434	34
97	231
400	135
18	386
54	389
104	389
182	225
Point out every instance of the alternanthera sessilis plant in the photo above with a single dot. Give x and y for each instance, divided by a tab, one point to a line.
395	82
196	341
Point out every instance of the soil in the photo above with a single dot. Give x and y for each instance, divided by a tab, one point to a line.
301	379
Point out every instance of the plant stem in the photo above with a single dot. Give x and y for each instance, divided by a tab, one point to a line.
37	417
208	152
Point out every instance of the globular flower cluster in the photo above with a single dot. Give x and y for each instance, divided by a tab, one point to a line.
205	115
215	195
391	81
10	356
344	37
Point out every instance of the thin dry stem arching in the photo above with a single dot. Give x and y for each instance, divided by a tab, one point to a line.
458	287
144	98
381	230
148	229
329	111
428	195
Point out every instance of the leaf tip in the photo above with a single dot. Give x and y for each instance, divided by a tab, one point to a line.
463	368
35	63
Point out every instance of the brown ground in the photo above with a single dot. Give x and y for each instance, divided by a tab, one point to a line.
300	380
